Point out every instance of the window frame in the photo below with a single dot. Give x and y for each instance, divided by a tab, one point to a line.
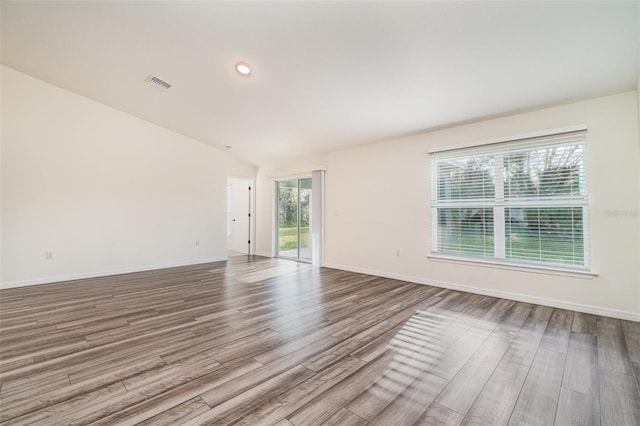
498	149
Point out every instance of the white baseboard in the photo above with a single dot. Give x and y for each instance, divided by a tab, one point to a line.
590	309
263	254
72	277
554	303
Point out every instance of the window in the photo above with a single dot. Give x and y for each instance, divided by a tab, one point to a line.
522	202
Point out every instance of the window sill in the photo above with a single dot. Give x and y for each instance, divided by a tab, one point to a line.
538	269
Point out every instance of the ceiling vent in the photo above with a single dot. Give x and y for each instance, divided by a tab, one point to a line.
155	81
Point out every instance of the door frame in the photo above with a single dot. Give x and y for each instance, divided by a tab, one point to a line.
251	246
276	224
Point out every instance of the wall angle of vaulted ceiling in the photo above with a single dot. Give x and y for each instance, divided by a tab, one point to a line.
325	75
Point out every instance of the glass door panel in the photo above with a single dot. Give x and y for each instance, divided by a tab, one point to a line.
294	219
288	218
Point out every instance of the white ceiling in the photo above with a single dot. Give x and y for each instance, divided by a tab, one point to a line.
328	74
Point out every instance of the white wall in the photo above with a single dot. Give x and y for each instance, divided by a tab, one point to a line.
106	192
377	202
238	168
265	205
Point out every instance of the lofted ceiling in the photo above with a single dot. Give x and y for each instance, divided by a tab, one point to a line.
325	75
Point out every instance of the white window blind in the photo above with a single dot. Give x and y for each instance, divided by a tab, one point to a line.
518	202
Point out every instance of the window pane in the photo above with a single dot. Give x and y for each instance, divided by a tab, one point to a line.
545	173
552	234
466	231
466	178
534	188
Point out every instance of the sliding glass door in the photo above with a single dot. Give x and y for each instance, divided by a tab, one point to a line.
294	219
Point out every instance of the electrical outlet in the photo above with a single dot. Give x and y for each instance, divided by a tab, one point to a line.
197	243
397	252
48	254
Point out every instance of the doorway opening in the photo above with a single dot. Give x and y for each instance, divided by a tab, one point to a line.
238	216
293	222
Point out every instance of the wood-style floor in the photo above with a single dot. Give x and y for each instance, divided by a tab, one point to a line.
265	341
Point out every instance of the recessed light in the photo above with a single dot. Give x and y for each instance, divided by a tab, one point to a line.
243	69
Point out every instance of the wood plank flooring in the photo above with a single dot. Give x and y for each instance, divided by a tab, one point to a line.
257	341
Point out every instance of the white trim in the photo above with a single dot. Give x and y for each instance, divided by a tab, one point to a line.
316	225
73	277
539	268
586	235
252	208
554	303
274	216
295	174
264	254
530	135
